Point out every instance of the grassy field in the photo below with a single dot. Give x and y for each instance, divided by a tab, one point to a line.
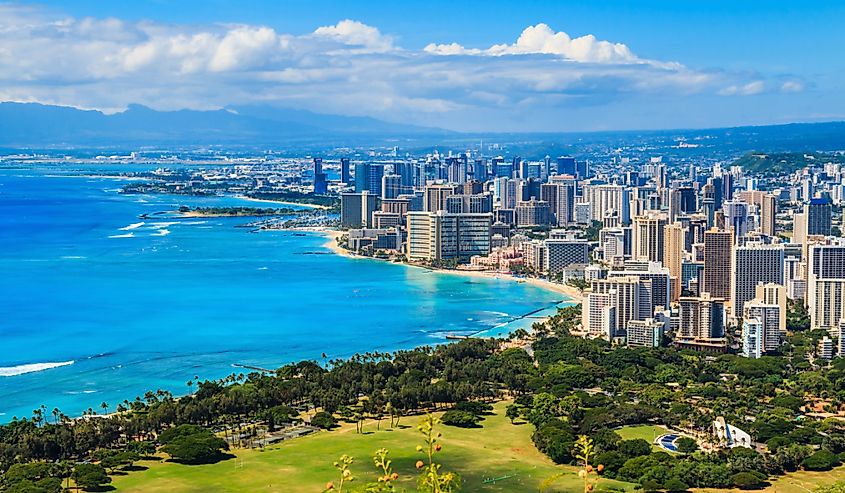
796	482
646	432
496	450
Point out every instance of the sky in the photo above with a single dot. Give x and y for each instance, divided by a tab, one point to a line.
479	66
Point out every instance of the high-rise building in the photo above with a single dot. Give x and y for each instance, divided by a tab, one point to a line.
435	196
826	285
532	213
368	178
645	333
563	253
437	236
566	166
773	294
561	200
753	264
701	323
818	213
344	170
405	169
673	256
321	183
648	237
656	274
736	217
356	209
769	316
604	198
768	214
391	186
598	314
717	263
630	297
752	338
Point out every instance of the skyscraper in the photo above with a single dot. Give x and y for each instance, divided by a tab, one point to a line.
717	263
673	256
649	237
356	209
344	170
736	217
321	184
437	236
753	264
391	186
818	214
368	178
435	196
566	166
826	285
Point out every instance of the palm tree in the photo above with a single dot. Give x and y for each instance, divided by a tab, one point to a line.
105	407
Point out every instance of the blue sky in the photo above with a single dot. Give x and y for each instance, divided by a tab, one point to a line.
459	65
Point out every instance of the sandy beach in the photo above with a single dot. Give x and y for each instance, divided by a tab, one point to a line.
570	292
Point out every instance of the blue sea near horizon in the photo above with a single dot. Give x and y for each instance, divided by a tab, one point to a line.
146	304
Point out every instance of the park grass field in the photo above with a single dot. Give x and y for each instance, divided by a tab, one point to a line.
646	432
497	450
794	482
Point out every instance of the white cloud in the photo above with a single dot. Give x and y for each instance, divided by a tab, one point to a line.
749	89
355	33
541	39
346	68
791	86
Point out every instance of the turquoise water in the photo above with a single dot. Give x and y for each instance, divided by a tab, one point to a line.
127	305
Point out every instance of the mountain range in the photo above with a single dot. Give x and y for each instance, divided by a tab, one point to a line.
34	124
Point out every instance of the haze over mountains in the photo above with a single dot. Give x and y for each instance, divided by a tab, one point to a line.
34	125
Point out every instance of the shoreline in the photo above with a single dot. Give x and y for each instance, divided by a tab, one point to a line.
283	202
573	294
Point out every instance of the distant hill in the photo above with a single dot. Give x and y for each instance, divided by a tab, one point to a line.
33	124
784	162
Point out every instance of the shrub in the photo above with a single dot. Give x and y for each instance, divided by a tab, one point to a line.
686	445
634	448
748	480
675	485
191	444
90	476
823	460
461	419
474	407
323	420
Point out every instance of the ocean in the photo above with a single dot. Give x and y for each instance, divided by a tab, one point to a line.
99	306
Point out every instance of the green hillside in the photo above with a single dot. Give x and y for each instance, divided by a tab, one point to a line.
784	162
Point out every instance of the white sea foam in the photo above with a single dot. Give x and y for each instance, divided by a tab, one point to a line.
193	223
161	232
11	371
72	257
127	235
163	225
132	226
262	268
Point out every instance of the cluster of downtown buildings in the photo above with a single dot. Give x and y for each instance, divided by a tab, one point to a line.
706	255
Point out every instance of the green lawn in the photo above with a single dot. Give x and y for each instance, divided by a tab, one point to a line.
646	432
795	482
497	450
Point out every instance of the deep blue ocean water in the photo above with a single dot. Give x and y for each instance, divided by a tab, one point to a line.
140	304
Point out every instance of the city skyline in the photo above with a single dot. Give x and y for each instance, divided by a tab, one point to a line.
468	67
